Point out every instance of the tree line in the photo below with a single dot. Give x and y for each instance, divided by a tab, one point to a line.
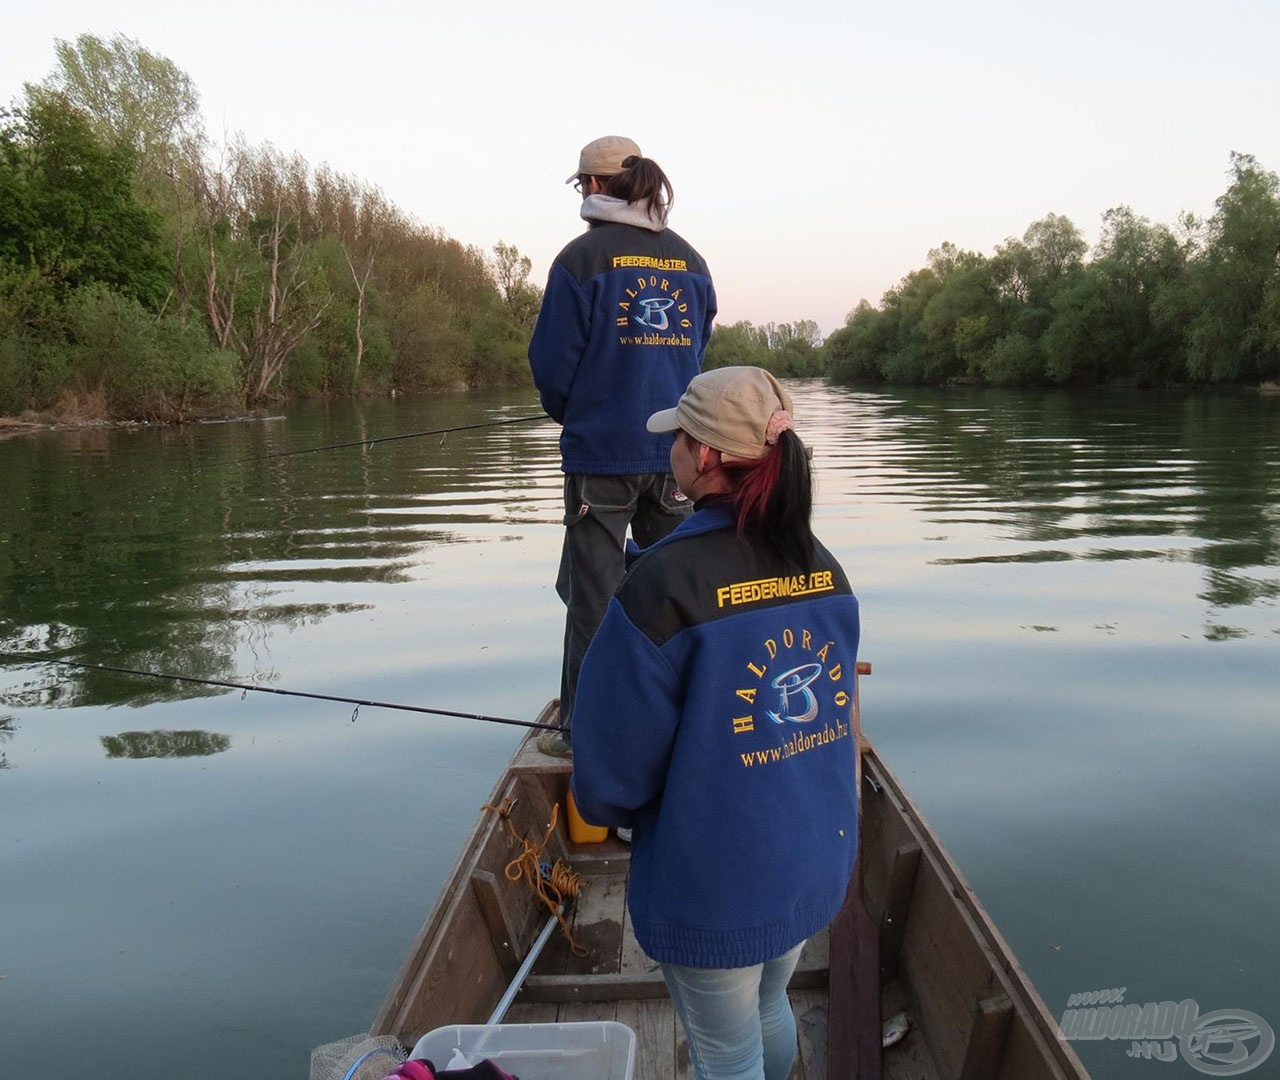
786	349
146	273
1198	304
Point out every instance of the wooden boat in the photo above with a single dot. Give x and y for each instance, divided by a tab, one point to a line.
912	937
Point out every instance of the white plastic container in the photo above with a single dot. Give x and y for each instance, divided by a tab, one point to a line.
591	1050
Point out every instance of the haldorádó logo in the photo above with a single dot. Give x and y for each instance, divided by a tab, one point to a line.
655	303
1227	1042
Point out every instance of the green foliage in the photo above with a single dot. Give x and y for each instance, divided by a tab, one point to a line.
1231	334
14	372
432	350
521	298
1151	308
155	368
1014	360
68	207
1082	336
786	349
501	348
1029	270
1102	326
132	96
1269	333
961	319
736	345
856	352
102	351
306	375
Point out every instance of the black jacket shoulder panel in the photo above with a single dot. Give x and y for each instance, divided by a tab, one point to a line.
697	579
613	246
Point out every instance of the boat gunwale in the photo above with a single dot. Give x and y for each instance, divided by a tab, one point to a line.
389	1018
1025	998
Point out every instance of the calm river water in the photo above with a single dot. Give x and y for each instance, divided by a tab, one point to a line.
1070	603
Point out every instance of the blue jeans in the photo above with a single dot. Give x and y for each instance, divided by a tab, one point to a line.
738	1020
597	511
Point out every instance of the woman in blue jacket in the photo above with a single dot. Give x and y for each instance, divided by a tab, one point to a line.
714	720
624	324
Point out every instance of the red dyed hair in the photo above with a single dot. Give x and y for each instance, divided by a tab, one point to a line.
753	489
773	498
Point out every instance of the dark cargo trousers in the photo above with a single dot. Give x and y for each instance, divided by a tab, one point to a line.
597	511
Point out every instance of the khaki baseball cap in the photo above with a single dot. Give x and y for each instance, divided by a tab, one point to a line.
729	409
604	156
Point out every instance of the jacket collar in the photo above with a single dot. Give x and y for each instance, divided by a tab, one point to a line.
703	520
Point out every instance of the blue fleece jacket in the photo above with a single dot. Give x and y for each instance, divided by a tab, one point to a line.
624	323
713	717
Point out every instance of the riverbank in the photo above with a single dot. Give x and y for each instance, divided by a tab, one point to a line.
73	412
79	417
17	427
30	423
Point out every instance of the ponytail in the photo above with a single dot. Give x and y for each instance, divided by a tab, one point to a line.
642	181
773	499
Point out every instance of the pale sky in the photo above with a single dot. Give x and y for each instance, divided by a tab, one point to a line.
817	150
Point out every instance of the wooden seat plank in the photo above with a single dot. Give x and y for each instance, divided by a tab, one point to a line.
529	1012
577	1012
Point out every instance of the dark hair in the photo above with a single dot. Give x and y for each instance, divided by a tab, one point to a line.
773	498
642	181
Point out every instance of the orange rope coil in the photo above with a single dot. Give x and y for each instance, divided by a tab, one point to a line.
556	888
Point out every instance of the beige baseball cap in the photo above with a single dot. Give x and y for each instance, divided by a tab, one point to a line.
729	409
604	156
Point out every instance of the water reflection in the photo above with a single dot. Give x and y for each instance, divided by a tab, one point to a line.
165	744
7	728
129	549
1111	477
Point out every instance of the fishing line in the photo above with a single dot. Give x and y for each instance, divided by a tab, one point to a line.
244	688
370	442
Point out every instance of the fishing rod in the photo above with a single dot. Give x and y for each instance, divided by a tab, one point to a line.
370	442
246	687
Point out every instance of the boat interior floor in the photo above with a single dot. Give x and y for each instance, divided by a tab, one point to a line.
616	981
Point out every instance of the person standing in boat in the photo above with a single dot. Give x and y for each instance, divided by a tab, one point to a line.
713	719
624	323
